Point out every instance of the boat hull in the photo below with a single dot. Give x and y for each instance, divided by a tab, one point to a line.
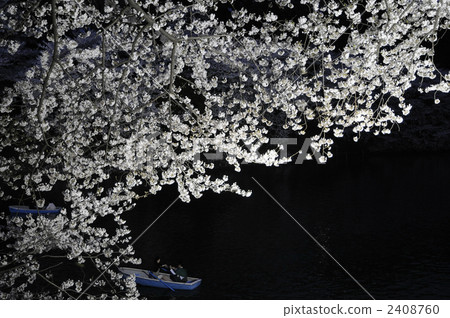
20	210
142	278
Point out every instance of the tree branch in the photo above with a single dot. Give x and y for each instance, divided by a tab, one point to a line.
151	21
52	65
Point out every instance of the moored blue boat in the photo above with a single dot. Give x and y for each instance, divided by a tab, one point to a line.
142	278
23	210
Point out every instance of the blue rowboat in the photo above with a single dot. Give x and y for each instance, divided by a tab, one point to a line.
164	281
23	210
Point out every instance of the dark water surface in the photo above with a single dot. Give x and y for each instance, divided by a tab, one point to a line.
385	219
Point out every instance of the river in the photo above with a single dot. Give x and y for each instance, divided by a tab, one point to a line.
385	219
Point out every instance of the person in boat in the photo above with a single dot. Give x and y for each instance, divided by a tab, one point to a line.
158	267
178	273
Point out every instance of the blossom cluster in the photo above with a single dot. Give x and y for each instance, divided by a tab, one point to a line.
125	95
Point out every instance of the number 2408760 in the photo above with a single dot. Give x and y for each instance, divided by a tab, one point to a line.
413	309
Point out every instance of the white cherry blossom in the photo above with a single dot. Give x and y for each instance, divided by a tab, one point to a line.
123	98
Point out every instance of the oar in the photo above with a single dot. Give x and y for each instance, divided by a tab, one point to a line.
161	281
165	270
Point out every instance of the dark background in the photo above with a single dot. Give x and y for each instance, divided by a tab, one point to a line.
383	217
380	207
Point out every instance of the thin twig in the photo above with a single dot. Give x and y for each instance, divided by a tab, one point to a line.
52	65
46	269
54	285
151	21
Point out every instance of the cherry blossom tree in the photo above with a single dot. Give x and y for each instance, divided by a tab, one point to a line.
125	94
